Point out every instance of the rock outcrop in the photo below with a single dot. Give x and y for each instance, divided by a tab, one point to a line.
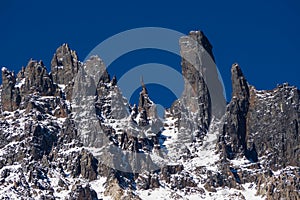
262	123
64	65
147	111
33	79
10	95
276	114
64	69
202	98
262	127
80	192
37	79
234	130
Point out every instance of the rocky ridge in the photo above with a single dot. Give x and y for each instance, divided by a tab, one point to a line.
70	134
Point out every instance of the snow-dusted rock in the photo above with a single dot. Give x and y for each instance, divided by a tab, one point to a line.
70	134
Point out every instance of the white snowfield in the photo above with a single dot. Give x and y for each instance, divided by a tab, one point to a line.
207	158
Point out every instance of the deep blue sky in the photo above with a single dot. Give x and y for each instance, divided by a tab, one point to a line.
262	36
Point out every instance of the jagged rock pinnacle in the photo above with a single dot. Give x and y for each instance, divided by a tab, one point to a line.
234	130
144	105
200	37
10	97
240	87
144	89
37	79
198	70
64	65
34	78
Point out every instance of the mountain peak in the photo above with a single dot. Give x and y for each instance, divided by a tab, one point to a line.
239	83
64	65
201	38
71	134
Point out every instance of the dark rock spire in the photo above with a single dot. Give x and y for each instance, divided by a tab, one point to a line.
234	129
144	105
34	78
200	37
10	96
240	88
202	97
64	65
37	79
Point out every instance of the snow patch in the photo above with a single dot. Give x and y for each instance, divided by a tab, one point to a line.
20	83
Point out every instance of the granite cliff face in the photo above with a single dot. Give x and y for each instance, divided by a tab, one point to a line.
70	134
262	127
252	112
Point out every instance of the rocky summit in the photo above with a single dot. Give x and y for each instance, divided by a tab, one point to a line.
70	134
